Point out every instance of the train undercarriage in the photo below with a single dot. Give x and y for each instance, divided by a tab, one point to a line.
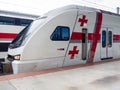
5	67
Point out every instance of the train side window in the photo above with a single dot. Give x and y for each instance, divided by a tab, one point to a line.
17	21
110	39
7	20
14	21
103	38
61	33
25	22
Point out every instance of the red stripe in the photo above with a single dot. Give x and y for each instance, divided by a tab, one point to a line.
90	36
76	36
8	35
93	36
96	37
116	37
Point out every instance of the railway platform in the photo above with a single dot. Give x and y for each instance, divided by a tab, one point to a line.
98	76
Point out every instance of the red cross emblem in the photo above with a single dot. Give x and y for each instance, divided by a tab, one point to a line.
73	52
83	20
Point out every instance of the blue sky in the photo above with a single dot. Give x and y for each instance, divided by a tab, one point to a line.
40	7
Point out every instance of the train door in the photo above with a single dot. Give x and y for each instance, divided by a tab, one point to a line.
106	43
77	49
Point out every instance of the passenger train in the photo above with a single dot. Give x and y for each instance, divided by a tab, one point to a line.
11	23
66	36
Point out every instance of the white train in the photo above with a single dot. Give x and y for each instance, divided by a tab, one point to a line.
66	36
11	23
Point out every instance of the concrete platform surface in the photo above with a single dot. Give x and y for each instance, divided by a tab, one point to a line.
104	76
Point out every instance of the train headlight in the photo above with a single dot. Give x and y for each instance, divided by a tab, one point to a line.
17	57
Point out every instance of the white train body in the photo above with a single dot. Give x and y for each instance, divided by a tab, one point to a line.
67	36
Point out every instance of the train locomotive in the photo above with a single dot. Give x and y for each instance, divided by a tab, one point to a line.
66	36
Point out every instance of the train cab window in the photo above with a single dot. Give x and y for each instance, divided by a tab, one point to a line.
103	38
61	33
110	39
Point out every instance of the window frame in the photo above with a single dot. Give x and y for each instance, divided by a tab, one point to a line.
51	37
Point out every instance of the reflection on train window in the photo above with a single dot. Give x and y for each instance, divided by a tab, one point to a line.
25	22
14	21
110	39
103	38
61	33
7	20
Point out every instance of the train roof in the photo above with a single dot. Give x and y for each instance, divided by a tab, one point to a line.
18	15
81	9
96	10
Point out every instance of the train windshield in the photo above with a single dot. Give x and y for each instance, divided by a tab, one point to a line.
24	33
18	40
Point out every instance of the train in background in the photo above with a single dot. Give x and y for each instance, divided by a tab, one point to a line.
11	23
66	36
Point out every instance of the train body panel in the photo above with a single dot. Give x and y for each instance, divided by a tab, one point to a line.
46	45
67	36
35	65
